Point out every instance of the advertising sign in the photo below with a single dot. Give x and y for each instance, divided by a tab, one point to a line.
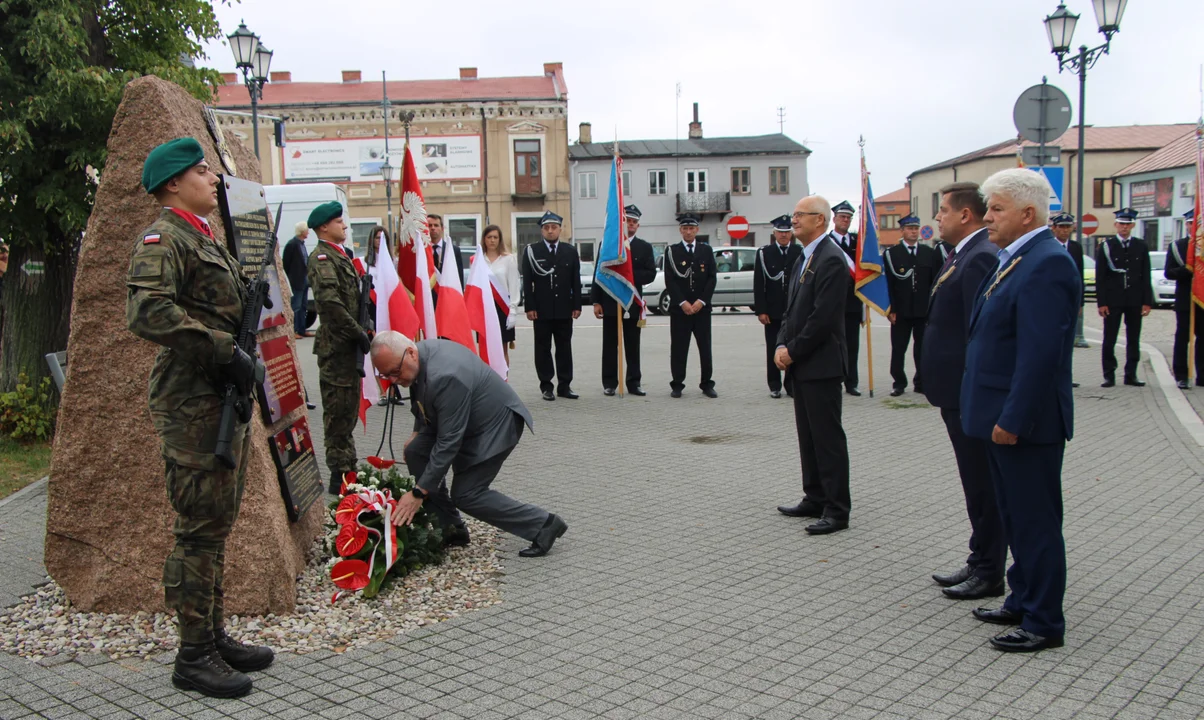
357	160
1152	198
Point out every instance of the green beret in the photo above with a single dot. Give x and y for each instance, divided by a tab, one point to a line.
168	160
324	213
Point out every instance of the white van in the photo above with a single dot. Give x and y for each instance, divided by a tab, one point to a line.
299	201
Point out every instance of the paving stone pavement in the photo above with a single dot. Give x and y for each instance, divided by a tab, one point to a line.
679	592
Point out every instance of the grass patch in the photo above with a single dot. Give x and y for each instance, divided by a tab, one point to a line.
21	464
896	404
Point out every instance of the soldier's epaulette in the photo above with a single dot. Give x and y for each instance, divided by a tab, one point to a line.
152	239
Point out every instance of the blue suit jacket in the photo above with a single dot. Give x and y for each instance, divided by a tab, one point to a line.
1018	358
943	356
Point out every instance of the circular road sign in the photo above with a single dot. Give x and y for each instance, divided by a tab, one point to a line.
1090	224
1042	114
737	227
926	232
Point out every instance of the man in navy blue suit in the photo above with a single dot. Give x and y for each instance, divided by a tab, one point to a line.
1016	396
942	362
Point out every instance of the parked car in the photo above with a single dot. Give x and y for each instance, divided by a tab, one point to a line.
733	280
1164	290
1088	276
587	281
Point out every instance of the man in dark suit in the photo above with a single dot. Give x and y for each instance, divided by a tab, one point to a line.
440	245
1123	291
1062	225
943	361
1176	269
467	420
1016	397
296	265
854	309
690	280
910	270
643	271
812	353
771	280
552	300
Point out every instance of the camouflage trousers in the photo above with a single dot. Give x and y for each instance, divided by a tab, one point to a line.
206	504
340	410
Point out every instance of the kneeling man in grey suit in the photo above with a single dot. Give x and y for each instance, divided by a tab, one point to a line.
468	420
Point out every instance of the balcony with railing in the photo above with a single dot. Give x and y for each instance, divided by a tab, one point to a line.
704	202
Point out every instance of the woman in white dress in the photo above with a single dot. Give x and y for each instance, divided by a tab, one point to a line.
504	266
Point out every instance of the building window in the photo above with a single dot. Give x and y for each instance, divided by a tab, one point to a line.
779	181
527	161
587	185
1103	193
656	182
463	230
741	182
696	181
936	203
585	249
888	222
626	183
526	231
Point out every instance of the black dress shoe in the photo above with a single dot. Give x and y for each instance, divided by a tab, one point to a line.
853	391
1108	382
896	392
608	391
547	395
675	393
826	525
919	390
803	509
1184	385
954	578
1074	384
974	588
553	528
1023	641
998	616
775	394
636	390
710	392
1134	382
567	394
310	405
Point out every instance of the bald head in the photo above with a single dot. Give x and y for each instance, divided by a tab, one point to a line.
810	219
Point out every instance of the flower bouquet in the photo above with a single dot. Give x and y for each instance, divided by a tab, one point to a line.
365	547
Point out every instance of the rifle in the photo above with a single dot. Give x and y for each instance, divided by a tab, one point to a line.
235	400
363	316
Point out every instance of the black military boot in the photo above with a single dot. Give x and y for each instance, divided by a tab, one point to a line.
199	667
240	656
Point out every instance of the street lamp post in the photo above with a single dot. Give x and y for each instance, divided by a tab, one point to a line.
1060	28
254	60
386	174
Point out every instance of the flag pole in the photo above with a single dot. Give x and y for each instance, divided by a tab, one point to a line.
869	321
622	233
1194	242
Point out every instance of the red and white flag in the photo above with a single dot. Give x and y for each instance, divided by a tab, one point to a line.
481	295
415	261
451	314
393	312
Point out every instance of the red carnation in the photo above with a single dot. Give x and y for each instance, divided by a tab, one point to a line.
380	463
351	539
350	574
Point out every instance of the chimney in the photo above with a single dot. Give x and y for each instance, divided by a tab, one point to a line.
586	133
695	127
282	77
468	73
551	68
351	76
230	78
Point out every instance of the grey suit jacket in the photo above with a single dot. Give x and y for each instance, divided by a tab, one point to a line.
462	410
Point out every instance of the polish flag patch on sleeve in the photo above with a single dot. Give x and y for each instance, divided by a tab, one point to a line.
321	257
150	240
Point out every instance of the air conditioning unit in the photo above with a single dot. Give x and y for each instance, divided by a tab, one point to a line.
1187	189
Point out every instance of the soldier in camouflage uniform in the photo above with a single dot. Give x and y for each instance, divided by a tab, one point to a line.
186	293
337	292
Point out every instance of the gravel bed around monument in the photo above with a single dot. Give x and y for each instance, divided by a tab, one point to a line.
44	628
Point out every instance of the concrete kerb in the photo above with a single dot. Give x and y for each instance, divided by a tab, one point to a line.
29	489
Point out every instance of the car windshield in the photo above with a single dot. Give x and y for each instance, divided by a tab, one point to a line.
587	268
1158	261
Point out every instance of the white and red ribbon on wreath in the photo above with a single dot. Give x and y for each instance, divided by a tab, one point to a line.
348	574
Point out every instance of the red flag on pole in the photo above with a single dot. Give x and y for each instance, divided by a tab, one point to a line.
415	261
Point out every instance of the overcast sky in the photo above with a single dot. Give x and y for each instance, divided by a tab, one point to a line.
922	80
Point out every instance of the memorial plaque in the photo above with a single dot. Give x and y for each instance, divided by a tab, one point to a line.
280	393
245	215
300	479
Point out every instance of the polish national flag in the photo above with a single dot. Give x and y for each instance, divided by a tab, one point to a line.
393	312
481	295
451	315
415	261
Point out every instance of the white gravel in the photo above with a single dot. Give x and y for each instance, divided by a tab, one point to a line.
43	626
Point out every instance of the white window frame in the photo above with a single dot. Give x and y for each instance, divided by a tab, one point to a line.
664	177
543	160
626	177
356	241
592	242
514	216
770	173
747	171
702	180
587	185
475	217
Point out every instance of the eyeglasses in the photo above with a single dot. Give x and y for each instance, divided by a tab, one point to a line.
799	215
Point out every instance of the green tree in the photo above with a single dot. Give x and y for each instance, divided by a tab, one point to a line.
63	67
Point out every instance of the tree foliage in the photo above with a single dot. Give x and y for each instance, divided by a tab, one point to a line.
63	67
